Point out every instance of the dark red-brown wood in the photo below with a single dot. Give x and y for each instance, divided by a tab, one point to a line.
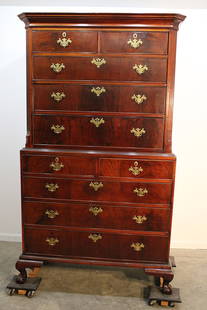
106	154
110	216
114	98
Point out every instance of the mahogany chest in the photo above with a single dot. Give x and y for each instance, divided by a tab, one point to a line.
97	170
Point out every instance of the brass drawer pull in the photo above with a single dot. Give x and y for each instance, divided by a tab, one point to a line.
95	237
95	210
136	170
56	165
58	96
140	69
52	241
138	132
134	42
64	42
51	187
139	219
139	98
57	128
137	246
97	121
96	185
141	192
51	214
98	62
57	67
98	90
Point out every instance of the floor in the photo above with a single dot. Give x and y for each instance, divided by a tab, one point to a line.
100	288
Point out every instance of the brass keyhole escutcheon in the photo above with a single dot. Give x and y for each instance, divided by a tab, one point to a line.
137	246
98	90
141	192
95	210
136	170
135	42
64	42
56	165
96	185
95	237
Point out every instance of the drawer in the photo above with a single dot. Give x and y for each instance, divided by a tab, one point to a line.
97	215
99	130
64	41
61	165
93	97
157	169
116	68
107	245
134	42
94	190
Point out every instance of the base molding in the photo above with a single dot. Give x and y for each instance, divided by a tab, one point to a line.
10	237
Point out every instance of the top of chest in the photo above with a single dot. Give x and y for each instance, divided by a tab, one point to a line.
102	20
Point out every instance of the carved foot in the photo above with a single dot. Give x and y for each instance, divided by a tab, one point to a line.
21	266
163	277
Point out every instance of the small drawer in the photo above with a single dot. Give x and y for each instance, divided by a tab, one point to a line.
111	68
98	130
64	41
97	215
134	42
59	165
139	168
99	245
101	97
94	190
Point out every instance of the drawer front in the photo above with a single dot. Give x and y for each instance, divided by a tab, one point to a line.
99	131
93	97
61	165
108	245
134	42
96	215
64	41
113	68
93	190
111	167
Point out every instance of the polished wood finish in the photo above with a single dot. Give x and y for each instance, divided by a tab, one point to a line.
111	215
47	41
114	132
115	246
95	193
115	98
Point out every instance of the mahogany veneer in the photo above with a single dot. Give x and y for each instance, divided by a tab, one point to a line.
97	171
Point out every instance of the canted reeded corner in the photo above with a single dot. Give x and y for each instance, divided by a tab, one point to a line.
98	162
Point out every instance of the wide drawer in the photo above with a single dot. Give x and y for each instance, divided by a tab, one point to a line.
107	245
150	42
99	131
93	97
95	190
133	68
64	41
61	165
96	215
